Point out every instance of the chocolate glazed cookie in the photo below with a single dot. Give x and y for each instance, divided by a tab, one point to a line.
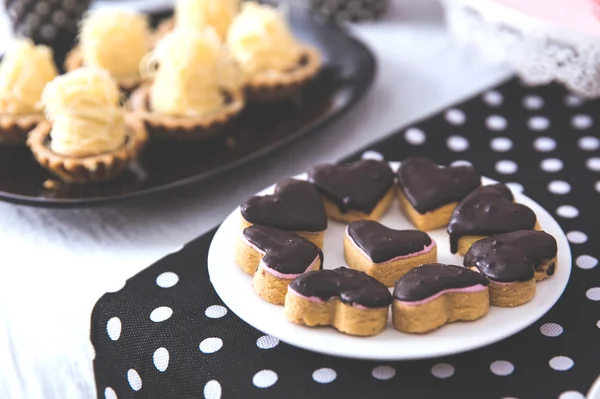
361	190
349	300
435	294
294	206
487	211
429	193
513	262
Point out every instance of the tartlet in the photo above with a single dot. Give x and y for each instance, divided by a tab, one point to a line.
113	40
24	72
194	94
275	64
88	138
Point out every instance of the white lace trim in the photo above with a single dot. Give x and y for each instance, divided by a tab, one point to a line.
540	53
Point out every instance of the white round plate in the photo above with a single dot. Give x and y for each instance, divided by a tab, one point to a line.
235	289
148	6
594	392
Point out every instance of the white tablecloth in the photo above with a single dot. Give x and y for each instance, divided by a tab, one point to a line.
55	264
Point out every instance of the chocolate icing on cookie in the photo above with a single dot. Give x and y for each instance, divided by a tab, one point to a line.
351	286
488	211
511	257
428	280
428	186
358	186
295	205
285	252
381	243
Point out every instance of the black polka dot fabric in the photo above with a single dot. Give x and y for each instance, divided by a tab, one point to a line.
166	334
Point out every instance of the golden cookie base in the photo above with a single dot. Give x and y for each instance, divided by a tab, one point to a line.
344	318
448	308
87	169
433	220
198	128
333	211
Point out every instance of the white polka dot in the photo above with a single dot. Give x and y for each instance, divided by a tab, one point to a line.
572	100
455	117
113	328
576	237
593	164
586	262
567	211
571	395
589	143
493	98
544	144
215	311
502	367
167	280
415	136
516	187
134	379
373	155
551	165
538	123
161	359
461	162
457	143
501	144
267	342
559	187
533	102
551	329
442	370
212	390
116	286
161	314
561	363
110	393
593	294
383	372
582	121
598	324
264	378
324	375
211	345
597	186
496	122
506	167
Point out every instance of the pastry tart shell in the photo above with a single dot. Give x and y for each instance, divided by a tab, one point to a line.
74	61
15	128
87	169
278	86
176	128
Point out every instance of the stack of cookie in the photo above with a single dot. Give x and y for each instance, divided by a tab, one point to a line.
186	81
505	253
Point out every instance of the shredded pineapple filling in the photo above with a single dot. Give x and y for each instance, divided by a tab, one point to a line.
217	14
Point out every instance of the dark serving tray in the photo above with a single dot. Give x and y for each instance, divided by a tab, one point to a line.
348	72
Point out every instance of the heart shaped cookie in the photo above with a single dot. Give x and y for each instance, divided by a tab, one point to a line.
386	254
275	257
294	206
487	211
360	190
434	294
351	301
429	193
513	262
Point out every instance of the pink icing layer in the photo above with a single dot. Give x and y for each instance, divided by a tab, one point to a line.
579	15
319	300
273	271
422	252
473	288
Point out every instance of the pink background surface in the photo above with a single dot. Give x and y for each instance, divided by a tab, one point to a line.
573	14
